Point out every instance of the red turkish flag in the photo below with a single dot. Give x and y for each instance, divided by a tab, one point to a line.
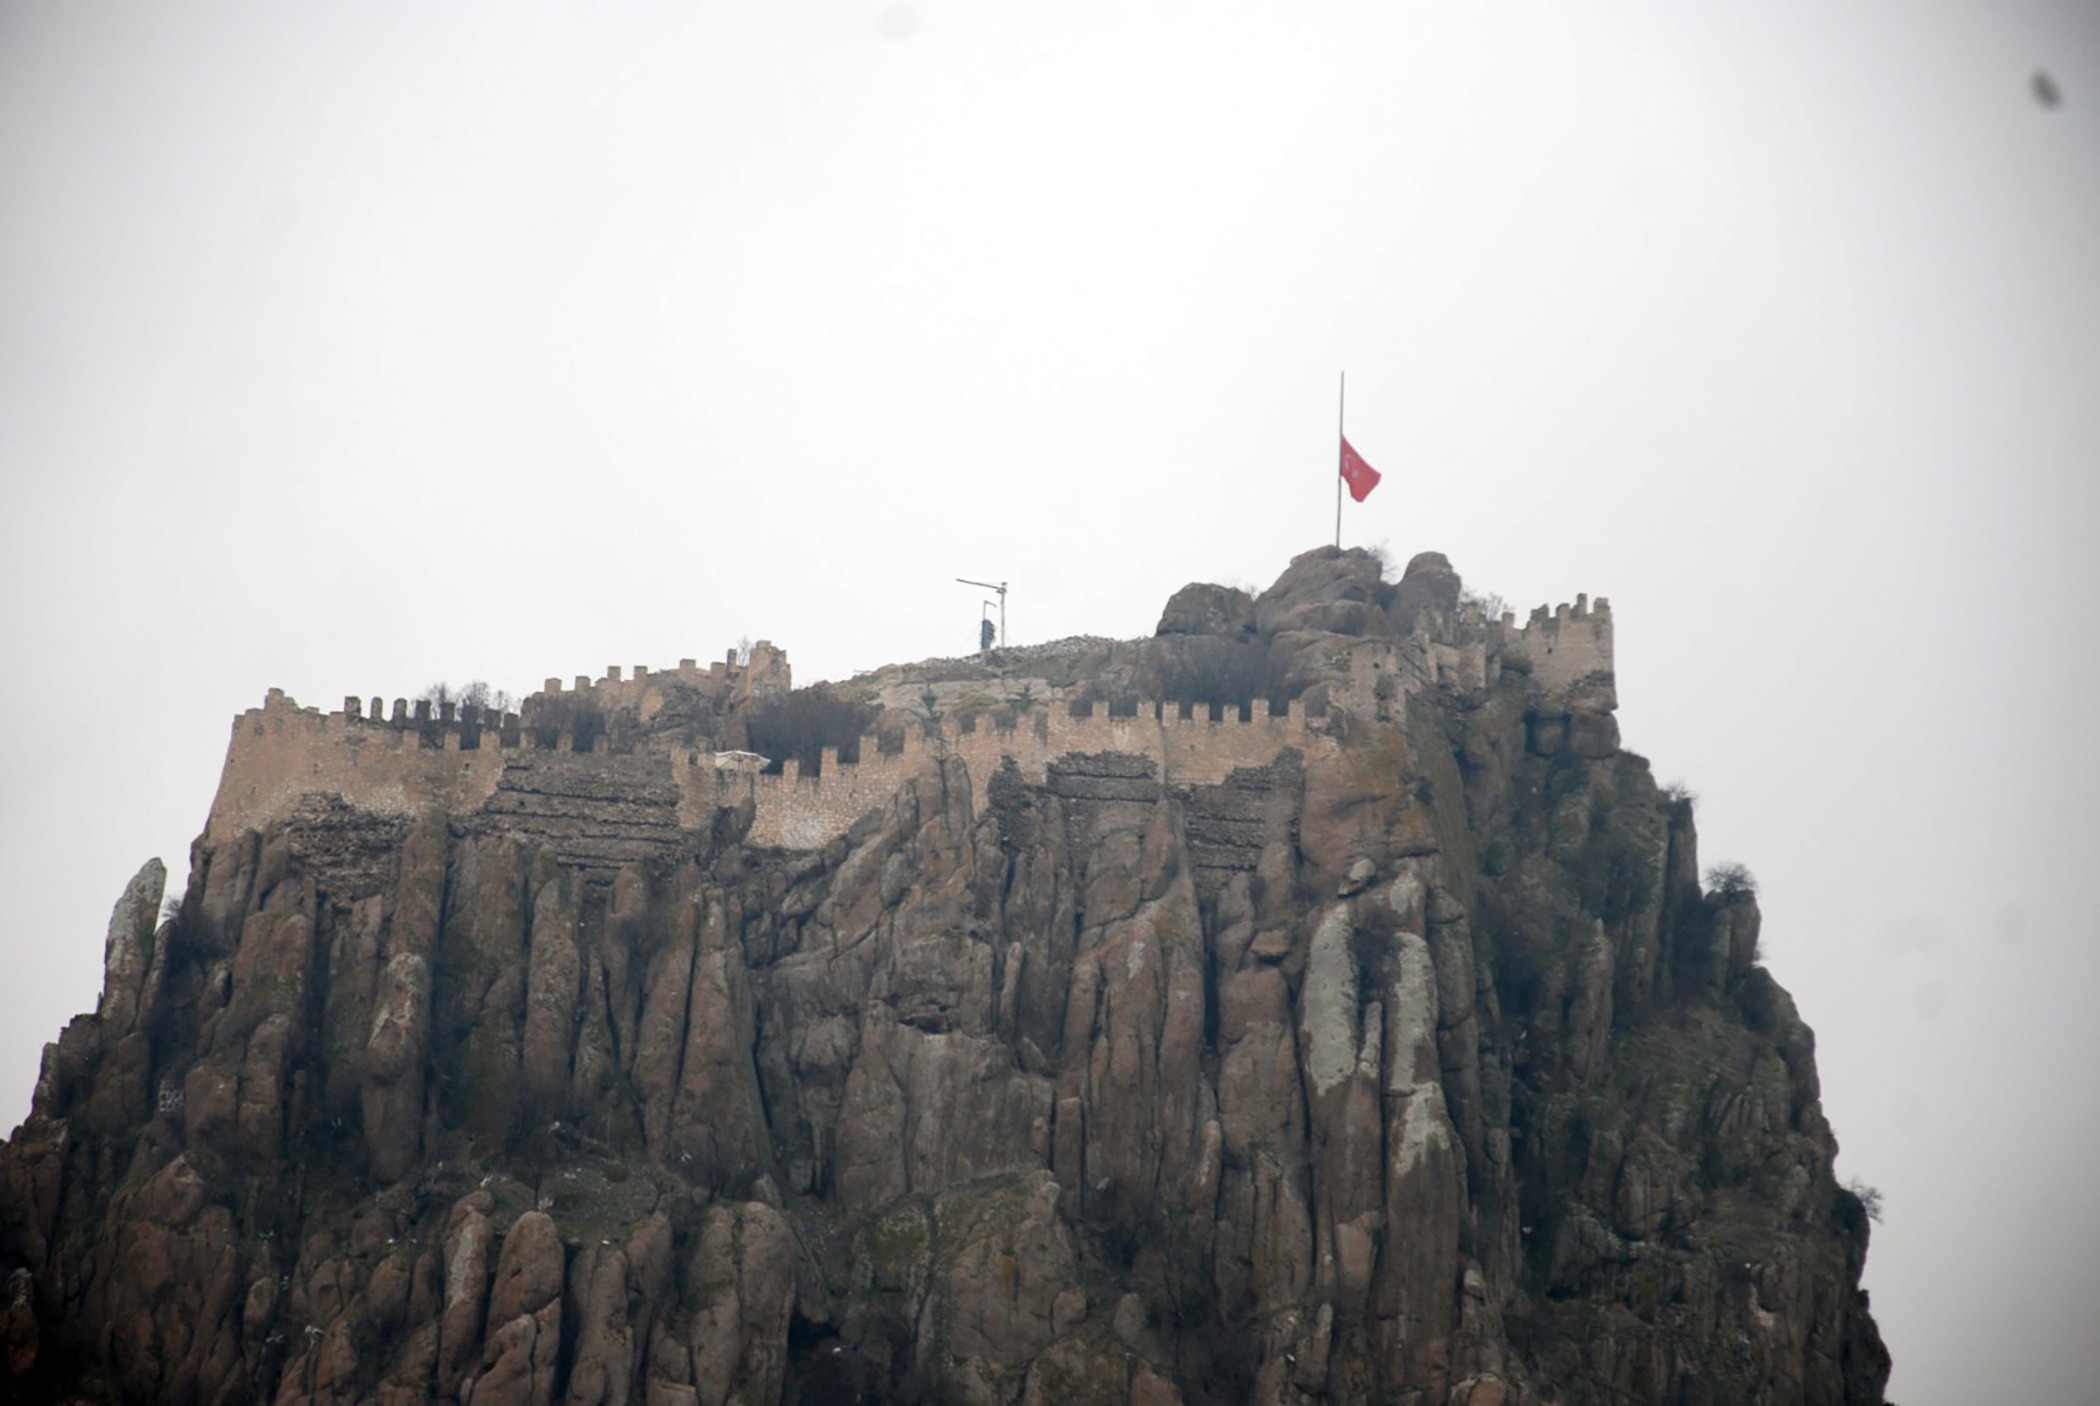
1360	477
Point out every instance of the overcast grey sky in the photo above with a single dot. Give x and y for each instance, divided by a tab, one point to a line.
345	348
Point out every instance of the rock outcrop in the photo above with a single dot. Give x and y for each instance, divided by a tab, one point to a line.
1202	609
1422	1072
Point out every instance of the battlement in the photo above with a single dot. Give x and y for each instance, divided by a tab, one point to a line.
765	672
802	811
1569	649
398	764
455	758
412	756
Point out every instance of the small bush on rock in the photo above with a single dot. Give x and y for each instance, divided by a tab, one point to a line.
548	715
1224	673
475	694
1731	881
1869	1198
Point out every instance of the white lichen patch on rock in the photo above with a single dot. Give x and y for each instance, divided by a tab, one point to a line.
1425	1128
1411	1001
1328	1003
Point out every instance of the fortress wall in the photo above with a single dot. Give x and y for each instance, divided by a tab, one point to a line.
1382	673
1459	666
1567	645
794	811
643	689
280	752
803	812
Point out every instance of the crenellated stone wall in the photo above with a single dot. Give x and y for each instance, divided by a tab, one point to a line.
456	758
760	674
281	752
795	811
1570	652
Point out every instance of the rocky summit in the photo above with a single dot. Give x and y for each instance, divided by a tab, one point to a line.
1310	1003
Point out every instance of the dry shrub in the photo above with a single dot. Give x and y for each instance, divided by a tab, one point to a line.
1209	669
801	724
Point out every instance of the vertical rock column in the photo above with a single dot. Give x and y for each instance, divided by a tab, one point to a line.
1342	1038
1425	1172
392	1094
235	1099
552	986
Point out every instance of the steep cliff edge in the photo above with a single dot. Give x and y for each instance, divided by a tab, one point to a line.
1404	1059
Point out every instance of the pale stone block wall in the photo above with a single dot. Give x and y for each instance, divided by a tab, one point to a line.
644	690
1567	645
803	812
281	752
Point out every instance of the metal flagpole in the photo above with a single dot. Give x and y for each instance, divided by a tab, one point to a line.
1340	416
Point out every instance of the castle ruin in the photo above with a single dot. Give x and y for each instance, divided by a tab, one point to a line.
610	802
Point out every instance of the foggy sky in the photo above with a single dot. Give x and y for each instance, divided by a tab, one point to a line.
348	348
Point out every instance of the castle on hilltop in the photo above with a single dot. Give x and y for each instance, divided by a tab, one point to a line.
606	800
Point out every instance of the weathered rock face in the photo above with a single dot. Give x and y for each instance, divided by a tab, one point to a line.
1327	589
1426	1073
1202	609
1429	583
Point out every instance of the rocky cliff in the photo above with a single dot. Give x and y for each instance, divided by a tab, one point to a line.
1412	1067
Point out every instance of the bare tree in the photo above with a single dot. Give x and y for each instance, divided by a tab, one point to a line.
1731	881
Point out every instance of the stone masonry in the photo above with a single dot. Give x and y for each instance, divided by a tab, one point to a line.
608	807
